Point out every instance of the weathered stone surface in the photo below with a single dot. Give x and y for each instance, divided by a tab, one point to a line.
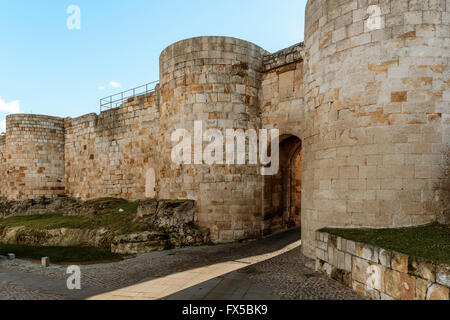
422	268
399	262
351	247
399	285
140	243
322	245
360	270
348	262
342	276
385	258
443	275
386	297
167	214
324	267
438	292
320	254
421	289
367	252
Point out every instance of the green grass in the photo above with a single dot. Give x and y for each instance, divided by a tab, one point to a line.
431	242
61	254
46	221
107	216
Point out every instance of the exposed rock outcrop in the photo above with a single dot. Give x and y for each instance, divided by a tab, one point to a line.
165	224
175	222
62	237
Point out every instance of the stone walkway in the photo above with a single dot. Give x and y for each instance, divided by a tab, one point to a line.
267	269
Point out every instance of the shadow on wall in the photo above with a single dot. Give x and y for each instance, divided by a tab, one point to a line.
283	191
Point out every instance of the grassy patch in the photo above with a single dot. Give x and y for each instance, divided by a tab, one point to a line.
431	242
46	221
106	215
61	254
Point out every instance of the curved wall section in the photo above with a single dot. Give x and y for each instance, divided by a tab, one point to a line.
215	80
377	113
34	156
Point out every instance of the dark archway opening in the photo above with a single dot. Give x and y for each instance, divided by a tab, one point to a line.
283	191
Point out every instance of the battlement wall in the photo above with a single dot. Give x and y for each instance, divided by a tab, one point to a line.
107	155
293	54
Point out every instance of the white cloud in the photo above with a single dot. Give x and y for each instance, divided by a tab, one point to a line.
3	125
101	88
114	84
8	107
11	107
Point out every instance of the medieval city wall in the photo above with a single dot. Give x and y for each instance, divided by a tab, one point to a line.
363	115
108	155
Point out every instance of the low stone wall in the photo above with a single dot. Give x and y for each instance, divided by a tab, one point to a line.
381	274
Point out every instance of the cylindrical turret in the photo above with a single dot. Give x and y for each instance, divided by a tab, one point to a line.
377	113
214	80
34	156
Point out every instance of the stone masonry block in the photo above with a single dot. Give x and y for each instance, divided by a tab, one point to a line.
422	268
399	262
443	275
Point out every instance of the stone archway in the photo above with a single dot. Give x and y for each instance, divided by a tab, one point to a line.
282	192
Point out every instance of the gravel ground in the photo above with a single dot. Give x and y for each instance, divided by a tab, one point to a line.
287	274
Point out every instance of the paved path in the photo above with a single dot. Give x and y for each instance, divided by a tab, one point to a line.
267	269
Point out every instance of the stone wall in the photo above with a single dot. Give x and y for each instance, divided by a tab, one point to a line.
381	274
215	80
281	94
3	155
33	160
281	107
368	110
377	113
108	155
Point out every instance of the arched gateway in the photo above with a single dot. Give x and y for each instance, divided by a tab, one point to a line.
282	193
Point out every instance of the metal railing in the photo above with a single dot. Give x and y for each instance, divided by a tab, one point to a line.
116	100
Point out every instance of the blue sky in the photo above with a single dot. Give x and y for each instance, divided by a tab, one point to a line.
45	68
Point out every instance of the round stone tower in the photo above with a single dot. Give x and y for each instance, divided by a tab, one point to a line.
377	112
34	153
213	81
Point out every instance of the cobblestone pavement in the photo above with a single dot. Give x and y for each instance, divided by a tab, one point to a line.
271	268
